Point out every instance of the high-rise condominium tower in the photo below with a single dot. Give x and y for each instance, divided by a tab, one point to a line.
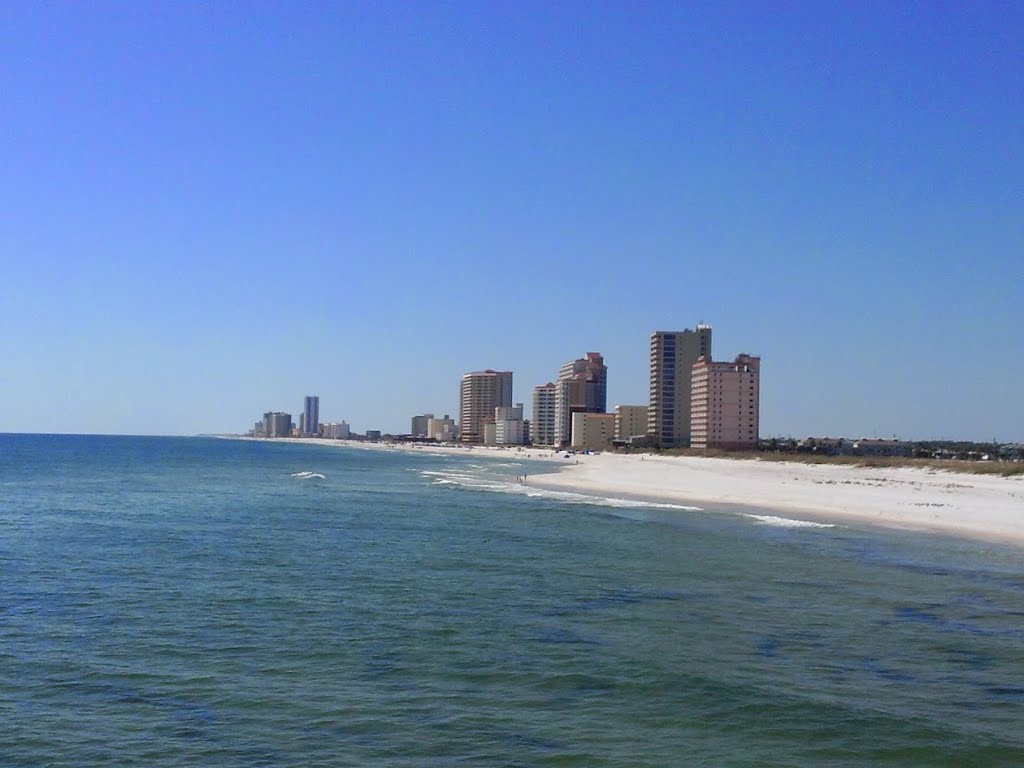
726	403
419	425
277	424
311	415
582	388
593	373
543	423
673	354
481	392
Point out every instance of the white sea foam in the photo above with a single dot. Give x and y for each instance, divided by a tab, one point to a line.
455	475
309	475
478	483
785	522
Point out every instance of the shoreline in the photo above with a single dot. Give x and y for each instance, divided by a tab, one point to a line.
973	506
980	507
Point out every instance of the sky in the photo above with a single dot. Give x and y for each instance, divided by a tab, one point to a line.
210	210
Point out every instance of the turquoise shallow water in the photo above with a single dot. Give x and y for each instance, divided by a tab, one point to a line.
171	601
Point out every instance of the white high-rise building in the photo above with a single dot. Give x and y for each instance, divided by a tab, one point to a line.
443	430
509	427
336	431
543	422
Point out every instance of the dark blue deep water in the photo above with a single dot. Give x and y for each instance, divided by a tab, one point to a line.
193	602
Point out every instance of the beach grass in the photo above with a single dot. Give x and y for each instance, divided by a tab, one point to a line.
1000	468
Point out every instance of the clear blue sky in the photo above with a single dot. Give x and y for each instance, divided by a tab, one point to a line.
209	210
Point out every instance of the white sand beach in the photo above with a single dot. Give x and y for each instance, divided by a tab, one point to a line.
978	506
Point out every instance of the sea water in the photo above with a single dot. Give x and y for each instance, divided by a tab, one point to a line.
205	602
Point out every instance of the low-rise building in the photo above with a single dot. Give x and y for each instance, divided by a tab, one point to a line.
825	446
489	432
875	447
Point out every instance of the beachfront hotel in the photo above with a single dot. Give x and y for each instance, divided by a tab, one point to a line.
480	393
543	423
726	403
582	387
673	354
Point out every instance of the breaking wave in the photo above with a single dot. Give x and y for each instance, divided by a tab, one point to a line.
481	483
785	522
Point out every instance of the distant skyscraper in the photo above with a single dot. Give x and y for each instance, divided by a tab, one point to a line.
311	416
543	424
480	393
673	354
419	425
582	387
277	424
726	402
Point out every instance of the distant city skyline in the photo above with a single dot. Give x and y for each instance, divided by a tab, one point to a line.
835	187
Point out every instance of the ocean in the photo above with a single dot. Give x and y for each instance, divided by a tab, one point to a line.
208	602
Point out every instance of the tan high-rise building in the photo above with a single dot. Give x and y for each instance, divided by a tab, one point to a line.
481	392
630	421
673	354
726	403
593	431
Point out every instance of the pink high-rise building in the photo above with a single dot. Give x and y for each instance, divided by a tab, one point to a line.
725	403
